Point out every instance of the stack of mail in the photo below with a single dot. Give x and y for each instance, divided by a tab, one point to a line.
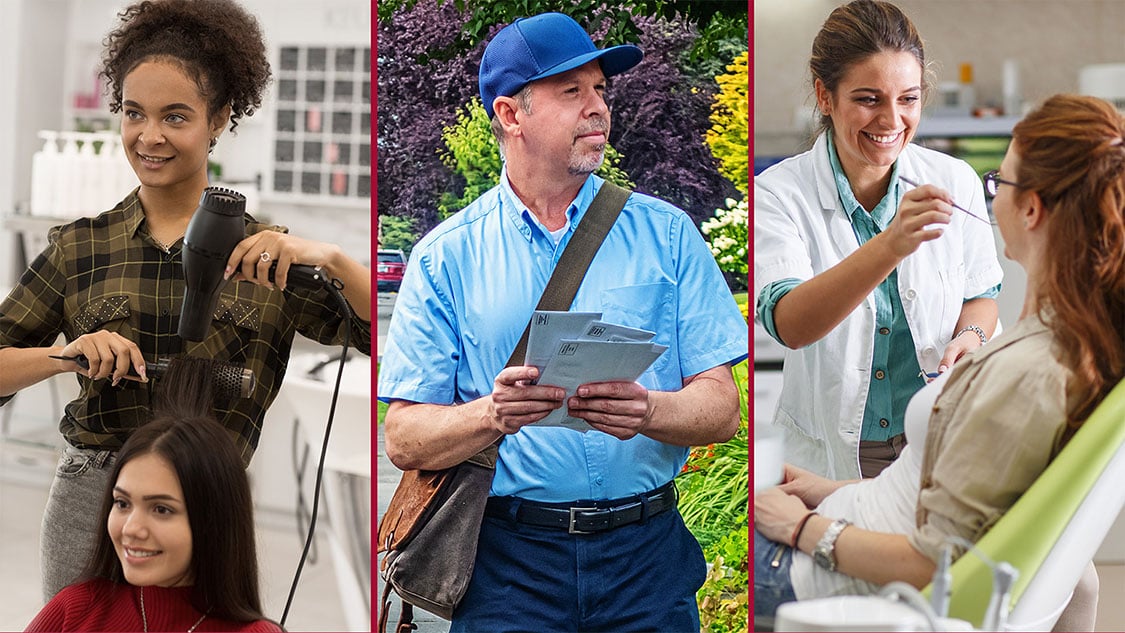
575	348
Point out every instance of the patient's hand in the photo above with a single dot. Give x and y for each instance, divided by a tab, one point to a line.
776	514
807	486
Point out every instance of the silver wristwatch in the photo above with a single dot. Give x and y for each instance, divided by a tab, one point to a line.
824	554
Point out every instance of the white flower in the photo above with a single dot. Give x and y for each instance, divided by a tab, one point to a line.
729	235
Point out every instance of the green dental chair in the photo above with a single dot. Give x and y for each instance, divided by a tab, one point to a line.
1054	530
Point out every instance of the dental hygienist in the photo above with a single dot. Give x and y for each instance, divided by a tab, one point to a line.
868	281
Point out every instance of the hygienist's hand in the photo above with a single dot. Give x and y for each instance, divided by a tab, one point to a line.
515	402
922	211
109	354
958	347
807	486
776	514
620	409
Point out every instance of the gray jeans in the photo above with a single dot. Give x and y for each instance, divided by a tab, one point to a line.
70	522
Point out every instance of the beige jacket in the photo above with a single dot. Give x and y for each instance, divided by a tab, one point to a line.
993	430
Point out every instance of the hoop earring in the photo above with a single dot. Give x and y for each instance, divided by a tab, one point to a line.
211	145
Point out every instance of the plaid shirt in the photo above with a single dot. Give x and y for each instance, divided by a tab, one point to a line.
107	273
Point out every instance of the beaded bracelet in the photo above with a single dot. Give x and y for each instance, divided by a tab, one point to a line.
800	527
975	330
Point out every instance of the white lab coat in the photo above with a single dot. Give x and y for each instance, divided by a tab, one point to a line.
801	230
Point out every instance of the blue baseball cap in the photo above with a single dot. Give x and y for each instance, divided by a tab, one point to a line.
541	46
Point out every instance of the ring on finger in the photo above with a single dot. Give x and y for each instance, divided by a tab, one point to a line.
265	256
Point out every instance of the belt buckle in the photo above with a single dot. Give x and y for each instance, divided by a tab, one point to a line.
573	518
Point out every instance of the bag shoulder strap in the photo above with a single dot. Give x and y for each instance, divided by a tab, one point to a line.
568	275
576	258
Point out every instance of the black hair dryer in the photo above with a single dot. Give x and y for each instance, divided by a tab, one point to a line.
215	229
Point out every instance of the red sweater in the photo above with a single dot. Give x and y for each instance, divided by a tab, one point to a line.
119	609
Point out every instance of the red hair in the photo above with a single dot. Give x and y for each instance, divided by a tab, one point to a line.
1072	154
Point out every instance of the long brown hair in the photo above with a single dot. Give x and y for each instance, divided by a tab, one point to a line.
855	31
1072	154
224	561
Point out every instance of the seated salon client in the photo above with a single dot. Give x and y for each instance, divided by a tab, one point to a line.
177	552
1004	411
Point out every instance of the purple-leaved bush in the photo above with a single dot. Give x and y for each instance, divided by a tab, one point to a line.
660	113
419	93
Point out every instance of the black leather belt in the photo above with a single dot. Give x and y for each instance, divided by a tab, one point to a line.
585	517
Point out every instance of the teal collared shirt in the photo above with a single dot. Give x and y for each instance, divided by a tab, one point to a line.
895	372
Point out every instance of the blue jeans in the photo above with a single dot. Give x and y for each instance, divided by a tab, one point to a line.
772	586
638	577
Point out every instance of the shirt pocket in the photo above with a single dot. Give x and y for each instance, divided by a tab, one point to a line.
239	313
236	323
109	313
650	307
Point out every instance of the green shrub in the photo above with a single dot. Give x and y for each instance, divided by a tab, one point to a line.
723	598
715	482
730	122
397	233
471	151
714	501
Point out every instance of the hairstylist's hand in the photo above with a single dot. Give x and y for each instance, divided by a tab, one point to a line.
515	402
110	355
252	258
776	514
919	219
809	487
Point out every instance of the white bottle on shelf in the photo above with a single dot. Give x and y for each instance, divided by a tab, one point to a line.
45	167
87	171
113	170
1013	95
127	179
67	182
968	90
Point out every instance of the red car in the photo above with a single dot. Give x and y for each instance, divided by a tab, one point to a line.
391	266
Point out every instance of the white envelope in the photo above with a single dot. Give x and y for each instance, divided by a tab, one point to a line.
548	327
577	362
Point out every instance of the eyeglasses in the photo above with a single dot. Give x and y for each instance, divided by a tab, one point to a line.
992	182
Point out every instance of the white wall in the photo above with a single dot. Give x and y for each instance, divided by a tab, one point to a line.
1052	39
50	51
31	41
9	42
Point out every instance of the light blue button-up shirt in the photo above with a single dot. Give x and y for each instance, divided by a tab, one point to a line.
469	291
